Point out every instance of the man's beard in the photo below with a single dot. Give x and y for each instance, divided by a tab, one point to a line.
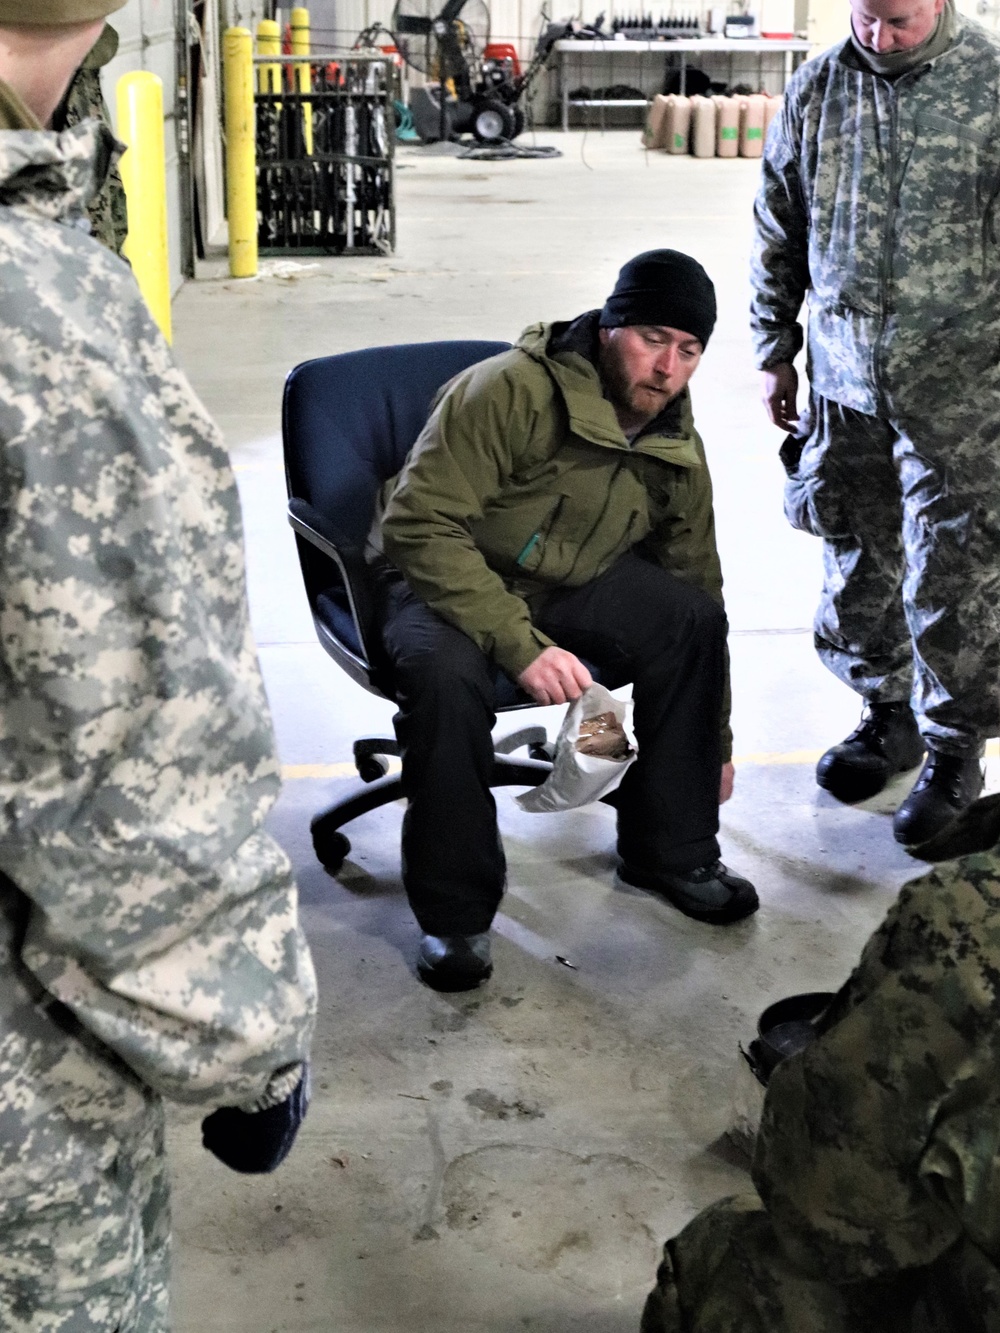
622	393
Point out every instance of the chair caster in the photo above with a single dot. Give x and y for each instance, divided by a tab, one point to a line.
371	767
331	850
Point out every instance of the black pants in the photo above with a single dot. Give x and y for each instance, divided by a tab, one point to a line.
635	623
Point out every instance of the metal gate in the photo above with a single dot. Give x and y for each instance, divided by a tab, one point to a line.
325	157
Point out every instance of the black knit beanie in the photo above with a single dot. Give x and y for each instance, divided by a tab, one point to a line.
663	287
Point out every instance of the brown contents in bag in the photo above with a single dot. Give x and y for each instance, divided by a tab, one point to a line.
603	736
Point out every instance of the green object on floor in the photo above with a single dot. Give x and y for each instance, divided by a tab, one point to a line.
405	133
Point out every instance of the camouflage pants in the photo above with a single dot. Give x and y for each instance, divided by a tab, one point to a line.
84	1221
877	1163
727	1273
909	511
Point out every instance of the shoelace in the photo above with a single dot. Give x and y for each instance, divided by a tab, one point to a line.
874	725
939	769
704	873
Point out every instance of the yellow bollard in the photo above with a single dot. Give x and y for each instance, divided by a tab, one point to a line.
241	152
302	46
269	44
144	175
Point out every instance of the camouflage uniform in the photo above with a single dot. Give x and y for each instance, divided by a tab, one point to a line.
84	100
151	946
878	200
878	1161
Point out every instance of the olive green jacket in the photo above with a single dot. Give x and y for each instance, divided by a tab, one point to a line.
522	481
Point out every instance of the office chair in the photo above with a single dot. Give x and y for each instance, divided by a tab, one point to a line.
348	423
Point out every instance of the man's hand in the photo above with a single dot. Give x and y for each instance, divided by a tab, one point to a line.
781	386
555	677
726	783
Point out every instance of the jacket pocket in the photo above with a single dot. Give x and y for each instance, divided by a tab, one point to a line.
812	503
532	555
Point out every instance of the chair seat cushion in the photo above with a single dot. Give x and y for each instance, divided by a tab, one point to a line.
333	609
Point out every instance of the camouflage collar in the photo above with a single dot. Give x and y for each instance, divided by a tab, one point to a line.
56	175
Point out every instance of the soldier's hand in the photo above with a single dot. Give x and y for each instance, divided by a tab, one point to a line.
254	1142
555	677
726	783
781	387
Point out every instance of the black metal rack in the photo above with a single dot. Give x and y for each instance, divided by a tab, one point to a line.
325	157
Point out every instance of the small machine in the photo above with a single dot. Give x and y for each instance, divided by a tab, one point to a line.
482	93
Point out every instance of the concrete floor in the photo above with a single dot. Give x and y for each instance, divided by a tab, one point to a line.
512	1159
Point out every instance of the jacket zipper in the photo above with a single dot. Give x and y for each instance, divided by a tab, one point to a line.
544	531
885	259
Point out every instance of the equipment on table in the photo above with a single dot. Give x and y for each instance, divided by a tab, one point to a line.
741	25
483	86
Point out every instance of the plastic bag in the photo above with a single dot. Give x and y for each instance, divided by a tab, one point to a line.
593	752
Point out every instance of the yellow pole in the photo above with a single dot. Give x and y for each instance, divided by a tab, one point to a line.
302	46
144	175
241	152
269	44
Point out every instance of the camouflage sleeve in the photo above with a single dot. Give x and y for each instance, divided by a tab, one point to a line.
137	762
779	265
871	1153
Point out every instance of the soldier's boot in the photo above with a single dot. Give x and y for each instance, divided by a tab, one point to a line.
454	962
887	742
948	784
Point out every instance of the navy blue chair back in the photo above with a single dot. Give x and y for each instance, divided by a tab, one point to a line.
350	420
348	423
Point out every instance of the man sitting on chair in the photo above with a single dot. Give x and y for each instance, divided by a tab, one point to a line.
557	510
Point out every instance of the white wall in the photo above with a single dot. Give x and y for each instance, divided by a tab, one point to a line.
147	31
986	11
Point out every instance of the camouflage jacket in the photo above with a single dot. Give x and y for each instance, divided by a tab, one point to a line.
137	761
879	1148
84	100
878	200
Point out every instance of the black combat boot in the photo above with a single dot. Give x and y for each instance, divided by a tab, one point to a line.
886	743
948	784
454	962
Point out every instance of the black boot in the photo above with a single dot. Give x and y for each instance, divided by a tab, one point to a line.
948	784
454	962
886	743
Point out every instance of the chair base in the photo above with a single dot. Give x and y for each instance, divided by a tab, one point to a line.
380	788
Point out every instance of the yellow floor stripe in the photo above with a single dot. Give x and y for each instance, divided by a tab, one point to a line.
755	759
304	772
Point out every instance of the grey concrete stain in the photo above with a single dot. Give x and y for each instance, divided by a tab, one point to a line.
580	1219
495	1108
